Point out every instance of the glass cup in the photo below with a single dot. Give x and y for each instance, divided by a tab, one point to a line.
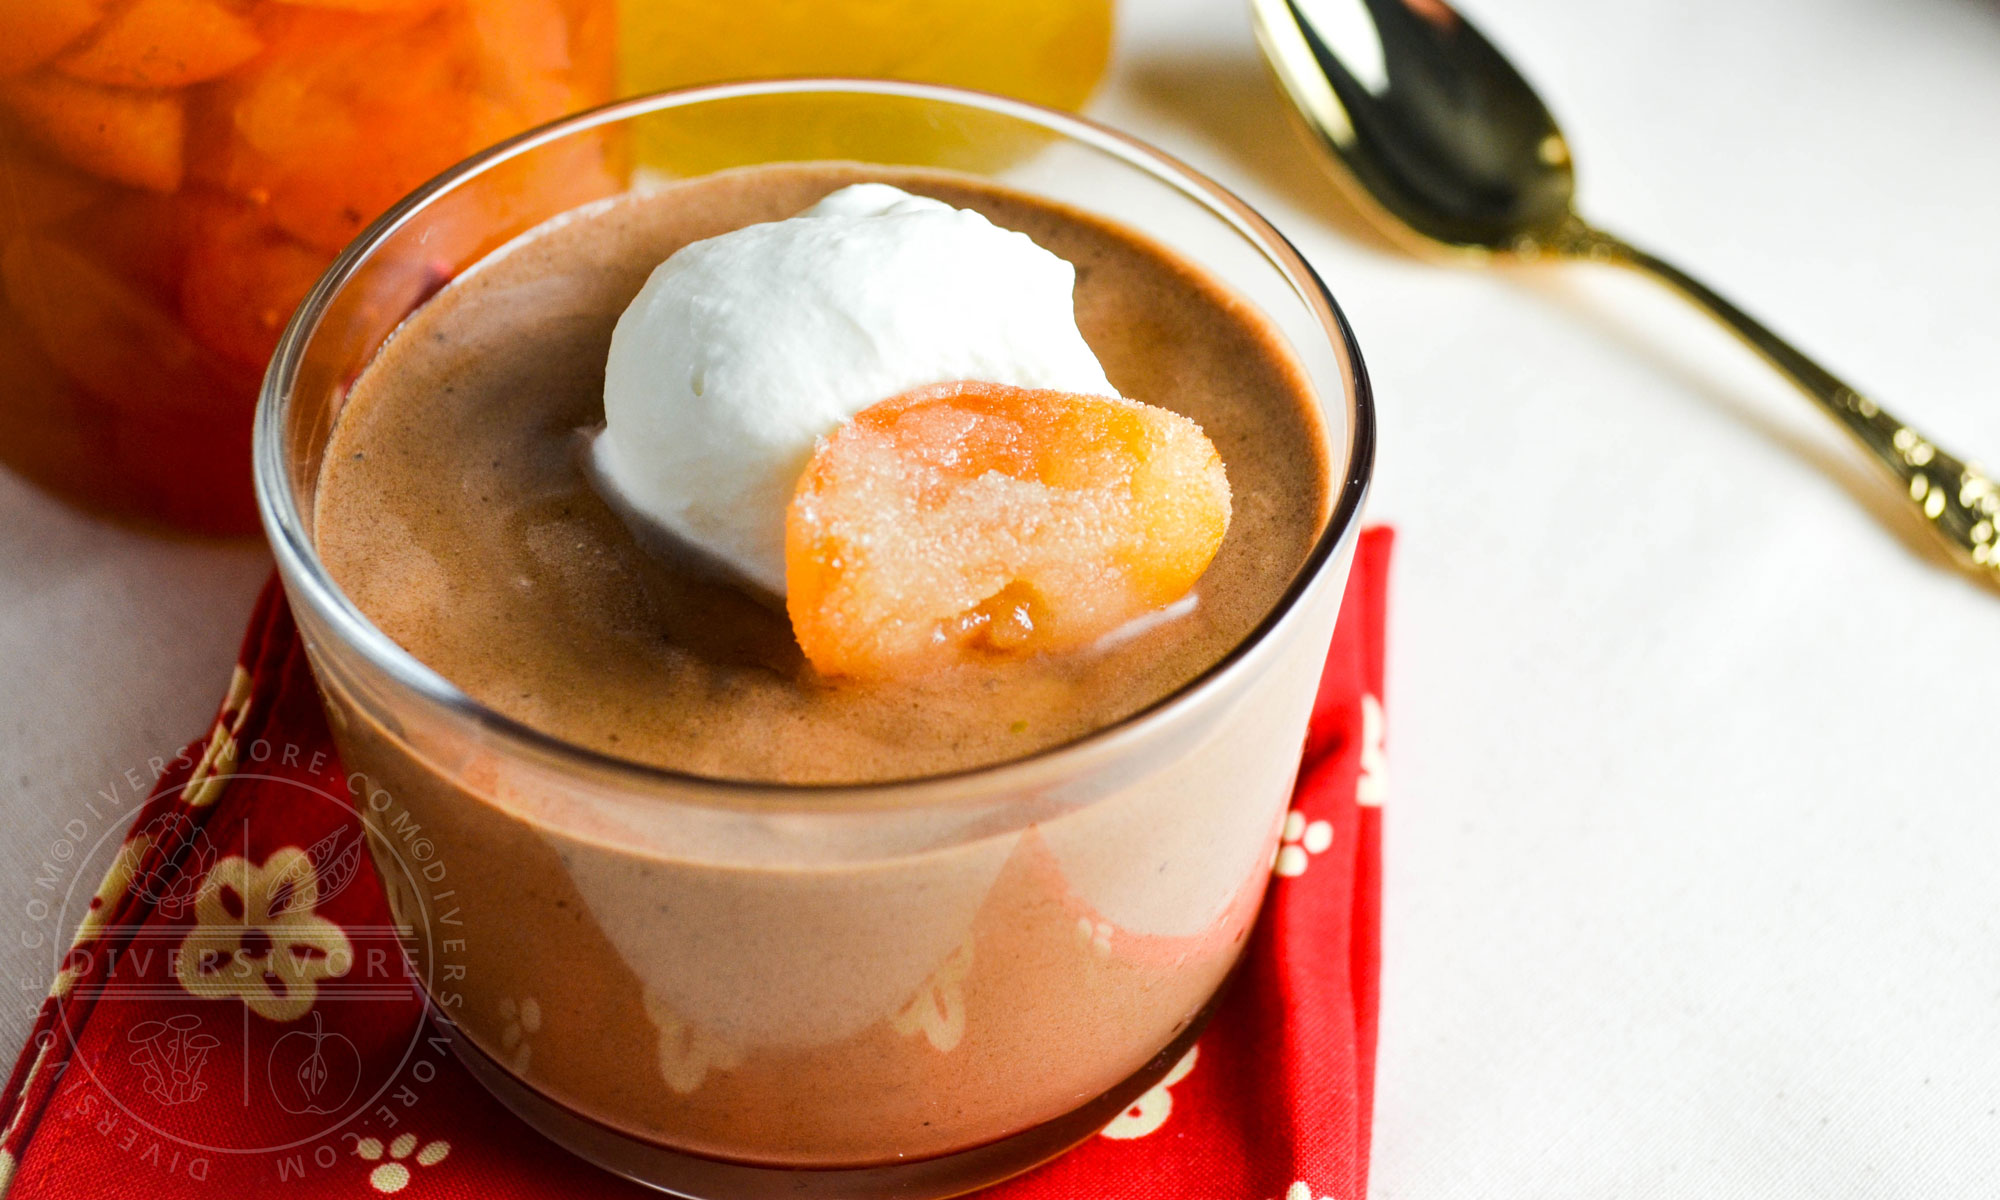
912	988
175	174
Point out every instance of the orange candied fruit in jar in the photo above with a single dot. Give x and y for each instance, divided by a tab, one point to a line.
968	522
175	174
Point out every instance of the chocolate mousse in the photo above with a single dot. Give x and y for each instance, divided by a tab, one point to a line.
712	983
453	510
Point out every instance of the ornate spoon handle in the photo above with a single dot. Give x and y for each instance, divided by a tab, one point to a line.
1957	499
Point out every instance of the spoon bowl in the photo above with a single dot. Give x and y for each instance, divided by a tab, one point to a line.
1443	142
1433	122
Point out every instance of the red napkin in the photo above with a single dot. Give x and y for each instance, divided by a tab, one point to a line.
335	1083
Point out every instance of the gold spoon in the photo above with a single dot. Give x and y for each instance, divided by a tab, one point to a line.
1438	136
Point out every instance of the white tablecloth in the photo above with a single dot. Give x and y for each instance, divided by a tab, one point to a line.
1693	881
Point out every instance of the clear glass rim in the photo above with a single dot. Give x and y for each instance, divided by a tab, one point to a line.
308	579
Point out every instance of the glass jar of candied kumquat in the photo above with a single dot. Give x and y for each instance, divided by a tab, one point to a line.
175	174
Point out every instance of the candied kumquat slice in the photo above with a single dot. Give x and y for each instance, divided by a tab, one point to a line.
140	237
35	192
346	110
46	427
120	347
164	44
523	53
341	117
244	277
593	45
34	31
969	521
532	34
125	136
136	457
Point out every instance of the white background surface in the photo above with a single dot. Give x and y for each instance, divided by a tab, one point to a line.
1694	836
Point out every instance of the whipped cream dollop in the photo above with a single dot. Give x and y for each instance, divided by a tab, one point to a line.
743	349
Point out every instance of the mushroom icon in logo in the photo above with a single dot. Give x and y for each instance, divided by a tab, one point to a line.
172	1055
